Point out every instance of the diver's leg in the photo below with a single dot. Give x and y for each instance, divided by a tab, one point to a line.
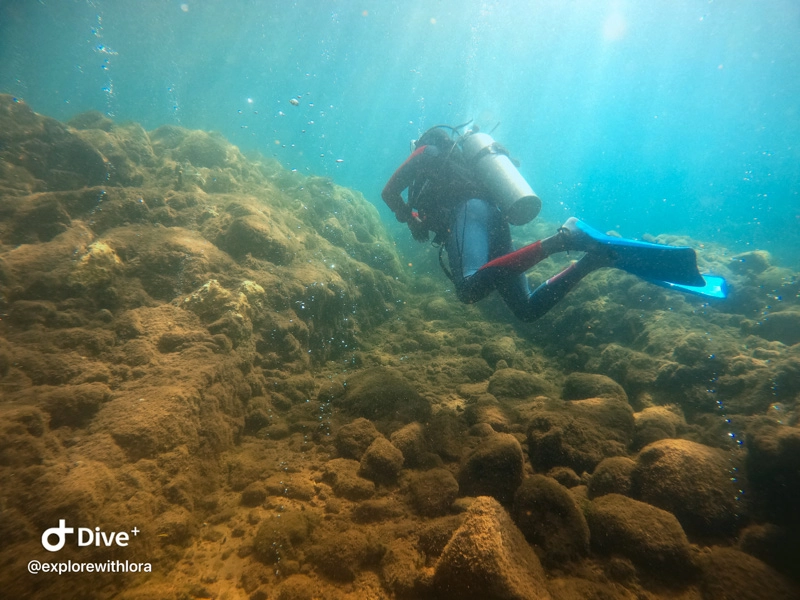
529	306
469	247
519	261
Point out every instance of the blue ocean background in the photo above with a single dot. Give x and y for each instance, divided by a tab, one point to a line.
644	117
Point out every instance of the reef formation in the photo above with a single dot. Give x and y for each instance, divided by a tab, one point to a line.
233	359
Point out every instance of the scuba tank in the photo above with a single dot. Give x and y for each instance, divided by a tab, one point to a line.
509	190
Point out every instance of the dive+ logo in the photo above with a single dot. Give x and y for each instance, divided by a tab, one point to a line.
86	536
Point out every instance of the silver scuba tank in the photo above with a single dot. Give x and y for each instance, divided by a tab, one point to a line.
510	192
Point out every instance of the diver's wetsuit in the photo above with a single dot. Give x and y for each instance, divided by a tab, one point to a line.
476	236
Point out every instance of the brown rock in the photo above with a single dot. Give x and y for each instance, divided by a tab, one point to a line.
433	492
548	516
488	557
494	468
612	476
381	462
511	383
342	475
690	480
580	433
579	386
649	536
382	393
410	440
353	439
728	573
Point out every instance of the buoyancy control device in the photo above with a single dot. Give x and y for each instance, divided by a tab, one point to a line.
493	167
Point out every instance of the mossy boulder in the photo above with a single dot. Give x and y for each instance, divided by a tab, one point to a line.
652	538
548	516
381	393
690	480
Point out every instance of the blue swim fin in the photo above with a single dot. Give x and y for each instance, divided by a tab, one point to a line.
715	287
674	264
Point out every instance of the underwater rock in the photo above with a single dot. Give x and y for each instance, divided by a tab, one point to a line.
402	569
353	439
777	546
773	470
382	393
782	326
751	263
690	480
199	148
410	440
565	476
257	236
342	475
378	510
486	409
657	423
580	434
548	516
92	119
634	371
74	406
727	573
488	557
578	386
381	462
652	538
279	535
496	350
511	383
433	492
295	587
611	476
476	369
494	468
340	555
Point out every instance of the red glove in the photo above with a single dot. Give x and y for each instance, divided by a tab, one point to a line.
418	228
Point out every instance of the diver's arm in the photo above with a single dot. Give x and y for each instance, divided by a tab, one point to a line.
403	177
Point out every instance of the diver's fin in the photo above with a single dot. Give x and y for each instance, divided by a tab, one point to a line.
714	287
674	264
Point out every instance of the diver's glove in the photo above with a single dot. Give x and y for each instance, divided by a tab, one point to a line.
403	213
418	228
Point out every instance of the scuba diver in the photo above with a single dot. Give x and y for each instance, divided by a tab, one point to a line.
465	189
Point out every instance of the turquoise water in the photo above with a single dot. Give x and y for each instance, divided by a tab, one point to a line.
659	117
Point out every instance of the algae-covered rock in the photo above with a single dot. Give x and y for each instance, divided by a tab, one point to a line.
649	536
579	386
773	468
279	536
499	349
342	475
511	383
729	573
401	568
488	557
382	393
612	476
354	438
783	326
381	462
657	423
410	440
690	480
341	555
580	434
433	492
548	516
493	468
